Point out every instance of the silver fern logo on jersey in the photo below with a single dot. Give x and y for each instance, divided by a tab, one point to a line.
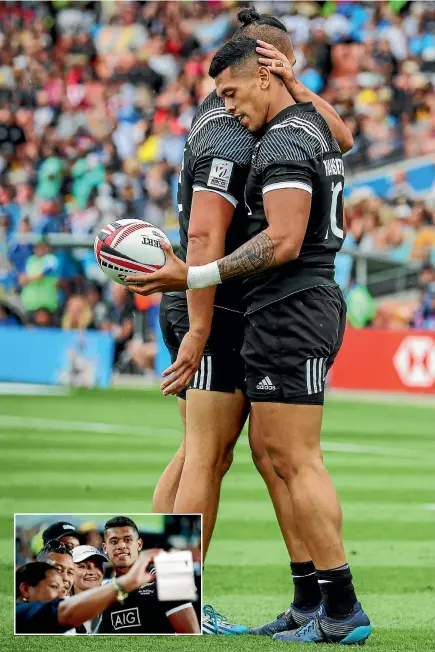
220	174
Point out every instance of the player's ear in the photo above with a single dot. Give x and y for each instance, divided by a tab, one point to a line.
104	548
23	591
264	76
139	544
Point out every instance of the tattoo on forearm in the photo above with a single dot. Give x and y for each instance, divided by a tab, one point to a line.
254	257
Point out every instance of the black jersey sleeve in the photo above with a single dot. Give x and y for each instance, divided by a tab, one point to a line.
287	161
221	175
290	150
294	174
222	151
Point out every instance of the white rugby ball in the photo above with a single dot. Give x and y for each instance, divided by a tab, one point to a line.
129	247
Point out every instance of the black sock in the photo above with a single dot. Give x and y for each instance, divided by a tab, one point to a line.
337	590
307	592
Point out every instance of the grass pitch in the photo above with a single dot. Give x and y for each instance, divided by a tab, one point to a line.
103	451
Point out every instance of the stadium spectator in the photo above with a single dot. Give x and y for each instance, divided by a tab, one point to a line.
88	563
93	536
63	532
59	555
7	318
19	253
78	314
39	279
42	318
38	582
425	317
98	307
142	347
401	188
120	319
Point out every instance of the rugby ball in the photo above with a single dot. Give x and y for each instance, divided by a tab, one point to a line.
129	247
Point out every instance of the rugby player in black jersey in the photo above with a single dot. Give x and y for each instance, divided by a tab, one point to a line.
295	310
212	222
139	612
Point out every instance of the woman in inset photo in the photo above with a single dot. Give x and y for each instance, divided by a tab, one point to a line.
89	573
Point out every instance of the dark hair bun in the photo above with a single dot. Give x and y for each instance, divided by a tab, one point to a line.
248	15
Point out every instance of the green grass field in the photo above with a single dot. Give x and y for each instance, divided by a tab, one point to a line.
103	451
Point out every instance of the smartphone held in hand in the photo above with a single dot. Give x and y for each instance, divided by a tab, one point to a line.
175	576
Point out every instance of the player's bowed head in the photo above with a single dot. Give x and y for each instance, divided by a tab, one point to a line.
252	93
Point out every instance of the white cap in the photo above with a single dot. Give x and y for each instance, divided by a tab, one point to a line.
403	211
364	192
80	553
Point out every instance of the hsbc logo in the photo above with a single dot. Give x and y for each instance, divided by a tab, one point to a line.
125	618
414	361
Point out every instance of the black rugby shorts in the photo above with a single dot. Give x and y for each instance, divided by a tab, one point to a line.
291	344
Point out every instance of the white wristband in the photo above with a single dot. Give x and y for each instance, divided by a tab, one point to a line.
201	276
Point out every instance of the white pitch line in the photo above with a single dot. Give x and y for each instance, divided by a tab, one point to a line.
384	398
110	428
430	507
80	426
333	447
27	389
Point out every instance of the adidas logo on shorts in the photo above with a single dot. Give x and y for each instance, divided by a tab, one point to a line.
266	384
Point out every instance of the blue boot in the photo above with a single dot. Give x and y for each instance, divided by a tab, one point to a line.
290	619
353	630
215	623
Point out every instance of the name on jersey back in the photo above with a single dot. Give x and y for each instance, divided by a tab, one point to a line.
333	167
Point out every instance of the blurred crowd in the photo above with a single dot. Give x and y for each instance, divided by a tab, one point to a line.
178	532
400	226
96	99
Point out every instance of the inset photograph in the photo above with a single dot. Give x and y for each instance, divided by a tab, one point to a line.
96	574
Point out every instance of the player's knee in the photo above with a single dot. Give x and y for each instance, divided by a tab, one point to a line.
181	452
288	466
223	460
213	462
227	461
261	461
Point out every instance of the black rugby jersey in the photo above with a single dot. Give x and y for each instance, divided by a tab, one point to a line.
297	150
217	157
141	613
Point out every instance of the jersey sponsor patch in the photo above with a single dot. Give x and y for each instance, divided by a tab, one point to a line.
125	618
220	174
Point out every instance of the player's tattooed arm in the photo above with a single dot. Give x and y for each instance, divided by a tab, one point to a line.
255	256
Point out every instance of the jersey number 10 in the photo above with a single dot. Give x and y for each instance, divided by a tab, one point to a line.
336	190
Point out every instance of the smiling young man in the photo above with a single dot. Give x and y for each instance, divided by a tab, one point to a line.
139	612
295	310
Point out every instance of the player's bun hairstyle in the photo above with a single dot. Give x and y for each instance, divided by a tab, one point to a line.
31	574
233	53
249	16
121	521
